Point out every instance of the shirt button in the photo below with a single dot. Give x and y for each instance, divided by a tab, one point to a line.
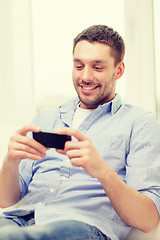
51	190
40	203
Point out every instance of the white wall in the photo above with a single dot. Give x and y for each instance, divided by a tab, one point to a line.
157	51
17	104
140	53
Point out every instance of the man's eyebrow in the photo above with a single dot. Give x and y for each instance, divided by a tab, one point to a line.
76	60
93	61
99	61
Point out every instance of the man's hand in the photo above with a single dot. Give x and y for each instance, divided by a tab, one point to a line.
21	146
82	153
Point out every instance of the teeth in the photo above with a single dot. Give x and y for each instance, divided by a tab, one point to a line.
88	88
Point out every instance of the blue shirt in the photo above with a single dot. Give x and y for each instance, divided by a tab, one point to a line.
127	137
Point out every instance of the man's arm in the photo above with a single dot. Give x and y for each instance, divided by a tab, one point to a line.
132	207
20	147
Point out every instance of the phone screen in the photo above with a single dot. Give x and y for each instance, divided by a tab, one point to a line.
51	140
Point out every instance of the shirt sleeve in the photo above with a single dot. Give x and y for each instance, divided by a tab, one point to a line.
25	169
25	175
45	119
143	160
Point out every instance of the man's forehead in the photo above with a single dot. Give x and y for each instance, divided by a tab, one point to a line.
95	51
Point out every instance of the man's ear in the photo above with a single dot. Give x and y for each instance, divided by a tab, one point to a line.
120	70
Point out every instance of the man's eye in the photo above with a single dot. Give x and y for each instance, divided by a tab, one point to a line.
79	67
98	68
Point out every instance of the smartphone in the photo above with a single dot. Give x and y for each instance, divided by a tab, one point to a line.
51	140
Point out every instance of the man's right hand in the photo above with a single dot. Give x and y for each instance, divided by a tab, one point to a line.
21	146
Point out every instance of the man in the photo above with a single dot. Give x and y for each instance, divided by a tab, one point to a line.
106	180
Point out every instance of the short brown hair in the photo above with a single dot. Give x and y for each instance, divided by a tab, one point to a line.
106	35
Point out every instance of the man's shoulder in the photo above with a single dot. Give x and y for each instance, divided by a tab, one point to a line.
136	111
138	116
45	118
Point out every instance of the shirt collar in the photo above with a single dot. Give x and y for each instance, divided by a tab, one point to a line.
111	106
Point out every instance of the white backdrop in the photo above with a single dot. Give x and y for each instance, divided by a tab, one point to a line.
157	52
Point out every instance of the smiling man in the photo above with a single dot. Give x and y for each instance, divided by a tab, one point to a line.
95	73
106	180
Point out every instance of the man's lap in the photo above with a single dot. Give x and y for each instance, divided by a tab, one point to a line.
17	221
60	230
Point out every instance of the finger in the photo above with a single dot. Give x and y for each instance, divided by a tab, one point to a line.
69	145
27	143
24	155
78	145
27	149
74	153
38	146
28	128
61	151
76	162
72	132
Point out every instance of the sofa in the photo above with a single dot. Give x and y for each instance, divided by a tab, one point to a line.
135	234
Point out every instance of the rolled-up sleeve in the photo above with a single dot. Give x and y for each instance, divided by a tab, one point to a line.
143	160
25	176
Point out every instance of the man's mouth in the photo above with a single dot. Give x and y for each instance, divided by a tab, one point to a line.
88	89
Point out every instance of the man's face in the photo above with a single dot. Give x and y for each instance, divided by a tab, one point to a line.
94	74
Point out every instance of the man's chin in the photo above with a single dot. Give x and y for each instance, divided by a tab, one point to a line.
88	104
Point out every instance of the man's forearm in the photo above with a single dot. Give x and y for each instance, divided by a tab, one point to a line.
9	185
132	207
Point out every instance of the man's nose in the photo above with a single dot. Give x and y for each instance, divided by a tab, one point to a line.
87	74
